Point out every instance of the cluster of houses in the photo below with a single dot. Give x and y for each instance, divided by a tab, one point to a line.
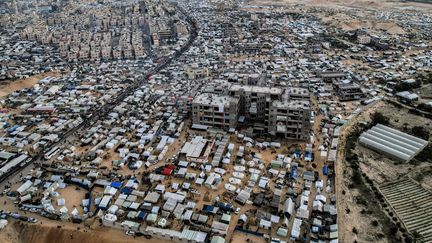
239	134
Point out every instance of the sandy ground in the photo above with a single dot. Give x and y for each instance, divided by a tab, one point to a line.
354	218
391	28
73	198
379	168
242	237
346	14
351	4
48	232
9	87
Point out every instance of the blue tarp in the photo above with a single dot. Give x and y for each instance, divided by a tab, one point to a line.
126	190
208	208
297	154
293	173
325	170
224	206
116	184
308	156
12	129
77	182
87	208
141	215
249	231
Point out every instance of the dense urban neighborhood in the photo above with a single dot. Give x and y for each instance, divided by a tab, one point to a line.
215	121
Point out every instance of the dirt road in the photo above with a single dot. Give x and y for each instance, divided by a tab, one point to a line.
342	202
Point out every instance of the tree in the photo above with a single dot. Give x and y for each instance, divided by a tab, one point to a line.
405	126
417	237
379	118
425	107
420	132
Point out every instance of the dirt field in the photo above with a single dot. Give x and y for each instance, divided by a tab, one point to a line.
73	198
242	237
351	4
354	211
391	28
9	87
346	197
17	232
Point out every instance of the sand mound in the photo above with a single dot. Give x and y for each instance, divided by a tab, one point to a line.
391	28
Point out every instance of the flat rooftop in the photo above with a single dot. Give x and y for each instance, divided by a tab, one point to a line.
212	99
257	89
292	104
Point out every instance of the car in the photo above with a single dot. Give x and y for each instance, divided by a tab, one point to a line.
237	211
130	233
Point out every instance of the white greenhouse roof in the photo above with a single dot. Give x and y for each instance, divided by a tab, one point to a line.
392	142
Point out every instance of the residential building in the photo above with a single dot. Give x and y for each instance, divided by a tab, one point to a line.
216	111
347	91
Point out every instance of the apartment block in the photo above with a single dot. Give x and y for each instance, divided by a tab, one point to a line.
254	100
215	111
195	72
289	119
283	113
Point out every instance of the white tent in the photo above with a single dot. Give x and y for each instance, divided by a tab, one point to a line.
60	202
230	187
63	210
74	211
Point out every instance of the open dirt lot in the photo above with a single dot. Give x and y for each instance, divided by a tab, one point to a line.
348	15
352	4
73	197
11	86
17	232
358	213
242	237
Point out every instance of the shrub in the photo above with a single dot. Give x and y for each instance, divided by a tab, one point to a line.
378	117
421	132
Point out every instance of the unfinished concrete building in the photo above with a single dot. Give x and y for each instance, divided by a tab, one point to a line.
289	119
279	112
347	91
254	100
215	111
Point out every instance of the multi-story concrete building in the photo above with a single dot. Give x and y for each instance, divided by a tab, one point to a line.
364	39
106	52
348	90
254	100
296	93
330	76
215	111
289	119
196	72
283	113
117	53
